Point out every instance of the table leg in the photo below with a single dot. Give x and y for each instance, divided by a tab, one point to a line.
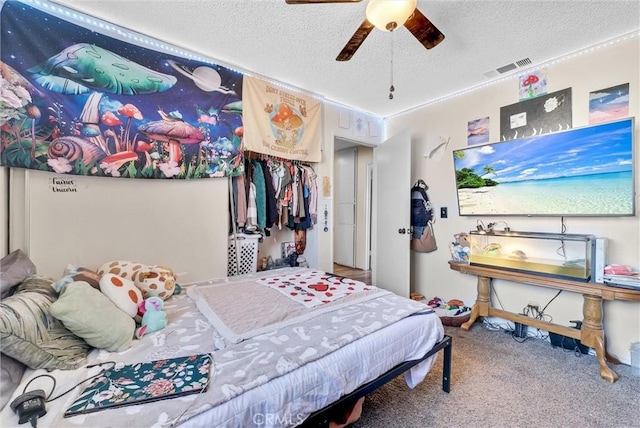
483	301
592	334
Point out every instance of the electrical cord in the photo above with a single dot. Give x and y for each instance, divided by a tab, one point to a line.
31	405
48	399
176	420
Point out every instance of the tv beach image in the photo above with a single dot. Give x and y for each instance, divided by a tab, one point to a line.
584	171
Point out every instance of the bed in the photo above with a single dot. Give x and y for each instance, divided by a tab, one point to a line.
282	368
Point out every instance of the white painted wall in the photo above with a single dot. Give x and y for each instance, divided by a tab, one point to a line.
182	224
431	276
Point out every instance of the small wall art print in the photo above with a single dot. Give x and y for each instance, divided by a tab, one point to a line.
541	115
609	104
478	131
532	84
84	103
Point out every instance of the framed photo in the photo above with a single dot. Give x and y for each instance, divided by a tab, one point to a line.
288	248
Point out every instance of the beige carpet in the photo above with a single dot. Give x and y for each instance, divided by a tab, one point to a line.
498	382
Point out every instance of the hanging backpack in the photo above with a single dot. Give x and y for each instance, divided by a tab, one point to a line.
422	218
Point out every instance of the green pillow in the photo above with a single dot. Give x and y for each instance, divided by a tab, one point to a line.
91	315
30	335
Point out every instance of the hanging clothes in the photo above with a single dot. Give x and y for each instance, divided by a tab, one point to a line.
252	210
274	192
261	194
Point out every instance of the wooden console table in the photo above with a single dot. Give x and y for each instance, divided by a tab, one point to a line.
591	333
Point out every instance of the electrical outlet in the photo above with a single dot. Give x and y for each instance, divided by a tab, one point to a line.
443	212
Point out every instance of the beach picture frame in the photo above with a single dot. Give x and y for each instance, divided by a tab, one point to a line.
587	171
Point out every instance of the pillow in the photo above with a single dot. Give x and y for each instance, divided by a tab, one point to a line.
14	268
11	372
122	292
91	315
30	335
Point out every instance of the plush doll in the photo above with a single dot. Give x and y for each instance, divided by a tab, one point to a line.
154	318
122	292
152	280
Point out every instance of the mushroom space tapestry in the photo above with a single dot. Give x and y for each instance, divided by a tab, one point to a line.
75	101
281	123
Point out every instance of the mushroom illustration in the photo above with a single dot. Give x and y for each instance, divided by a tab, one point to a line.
286	117
111	164
33	113
82	67
89	120
111	120
144	147
131	112
174	133
529	81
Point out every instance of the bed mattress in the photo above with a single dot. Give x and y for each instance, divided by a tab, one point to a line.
285	400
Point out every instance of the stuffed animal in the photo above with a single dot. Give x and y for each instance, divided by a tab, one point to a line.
152	280
153	317
122	292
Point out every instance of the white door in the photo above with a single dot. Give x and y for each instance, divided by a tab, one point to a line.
391	214
345	232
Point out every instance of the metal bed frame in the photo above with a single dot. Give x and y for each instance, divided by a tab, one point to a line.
322	417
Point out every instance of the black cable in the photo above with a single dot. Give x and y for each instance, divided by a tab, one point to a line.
73	387
545	306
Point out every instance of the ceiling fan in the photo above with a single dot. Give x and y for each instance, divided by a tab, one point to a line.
386	15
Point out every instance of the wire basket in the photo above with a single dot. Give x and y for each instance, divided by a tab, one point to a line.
243	256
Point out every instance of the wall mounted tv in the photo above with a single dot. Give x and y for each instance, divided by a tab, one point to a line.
587	171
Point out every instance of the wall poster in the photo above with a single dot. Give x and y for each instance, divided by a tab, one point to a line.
281	123
541	115
609	104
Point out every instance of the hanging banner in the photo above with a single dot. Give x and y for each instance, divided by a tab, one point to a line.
74	101
281	123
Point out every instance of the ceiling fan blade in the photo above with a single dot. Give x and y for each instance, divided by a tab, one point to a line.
356	40
321	1
423	30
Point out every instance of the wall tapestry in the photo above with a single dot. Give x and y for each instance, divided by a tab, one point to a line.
609	104
540	115
281	123
79	102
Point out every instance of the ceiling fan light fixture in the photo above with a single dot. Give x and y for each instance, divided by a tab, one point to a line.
387	15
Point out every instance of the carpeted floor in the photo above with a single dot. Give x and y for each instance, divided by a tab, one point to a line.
498	382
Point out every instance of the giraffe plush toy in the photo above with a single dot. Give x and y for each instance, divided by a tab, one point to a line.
152	280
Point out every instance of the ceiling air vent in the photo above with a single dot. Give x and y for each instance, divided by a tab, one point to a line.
505	68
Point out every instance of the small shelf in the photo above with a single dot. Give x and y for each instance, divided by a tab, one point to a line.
537	235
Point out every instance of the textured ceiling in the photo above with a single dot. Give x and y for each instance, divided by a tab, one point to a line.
297	44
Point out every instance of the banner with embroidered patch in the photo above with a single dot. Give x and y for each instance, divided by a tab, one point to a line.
314	288
82	101
140	383
281	123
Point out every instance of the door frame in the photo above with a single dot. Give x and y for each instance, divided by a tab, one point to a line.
368	199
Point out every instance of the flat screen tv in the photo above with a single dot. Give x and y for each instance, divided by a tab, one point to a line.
587	171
